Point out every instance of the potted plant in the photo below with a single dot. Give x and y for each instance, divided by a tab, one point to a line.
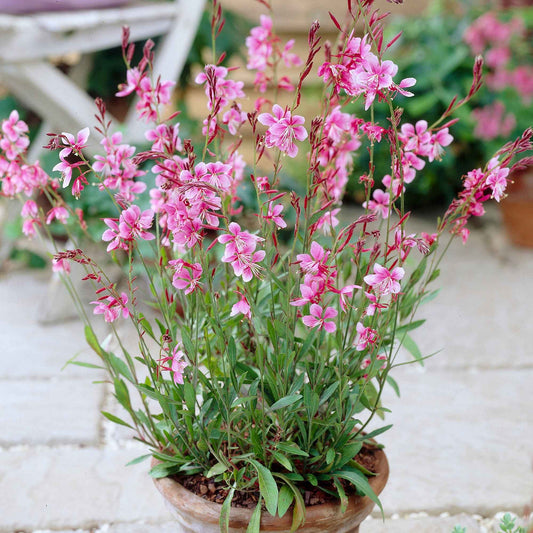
274	327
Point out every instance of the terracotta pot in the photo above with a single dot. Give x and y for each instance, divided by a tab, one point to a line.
196	515
517	208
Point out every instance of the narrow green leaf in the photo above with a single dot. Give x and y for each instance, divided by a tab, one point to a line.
217	469
139	459
115	419
408	327
121	393
146	325
413	348
375	433
286	497
342	494
291	448
360	482
430	296
392	382
255	522
328	392
285	401
330	456
267	486
225	511
282	460
92	341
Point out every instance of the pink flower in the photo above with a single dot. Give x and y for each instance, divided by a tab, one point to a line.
374	304
179	364
318	318
497	179
112	307
283	129
186	276
133	224
379	204
384	281
314	263
237	240
366	336
259	44
241	307
274	214
58	213
234	118
13	128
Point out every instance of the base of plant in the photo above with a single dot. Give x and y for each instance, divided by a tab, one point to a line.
199	511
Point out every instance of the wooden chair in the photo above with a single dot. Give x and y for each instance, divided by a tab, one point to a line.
28	41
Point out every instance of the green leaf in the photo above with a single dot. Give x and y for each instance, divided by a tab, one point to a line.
429	296
298	514
121	393
225	511
217	469
434	275
360	482
282	460
139	459
342	494
413	348
408	327
146	325
115	419
328	392
330	456
291	448
286	497
392	382
92	341
255	522
163	470
375	433
285	401
267	486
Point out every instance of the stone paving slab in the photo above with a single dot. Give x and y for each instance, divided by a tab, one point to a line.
31	349
68	488
478	318
422	524
461	442
50	411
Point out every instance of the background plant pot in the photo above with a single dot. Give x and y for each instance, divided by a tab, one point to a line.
196	515
517	208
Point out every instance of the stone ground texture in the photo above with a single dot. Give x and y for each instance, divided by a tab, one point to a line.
460	450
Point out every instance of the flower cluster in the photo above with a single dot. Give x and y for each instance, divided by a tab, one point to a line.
498	41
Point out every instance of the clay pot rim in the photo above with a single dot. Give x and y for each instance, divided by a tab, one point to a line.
182	498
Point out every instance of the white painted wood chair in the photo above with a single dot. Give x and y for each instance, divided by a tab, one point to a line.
28	41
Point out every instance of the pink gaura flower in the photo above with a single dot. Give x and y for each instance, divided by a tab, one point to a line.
366	337
319	318
283	129
245	263
237	240
186	276
374	304
60	265
311	291
58	213
234	118
13	127
384	281
111	307
497	179
316	262
242	307
274	214
179	364
379	203
133	224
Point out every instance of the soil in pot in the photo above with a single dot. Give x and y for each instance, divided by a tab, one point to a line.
199	513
